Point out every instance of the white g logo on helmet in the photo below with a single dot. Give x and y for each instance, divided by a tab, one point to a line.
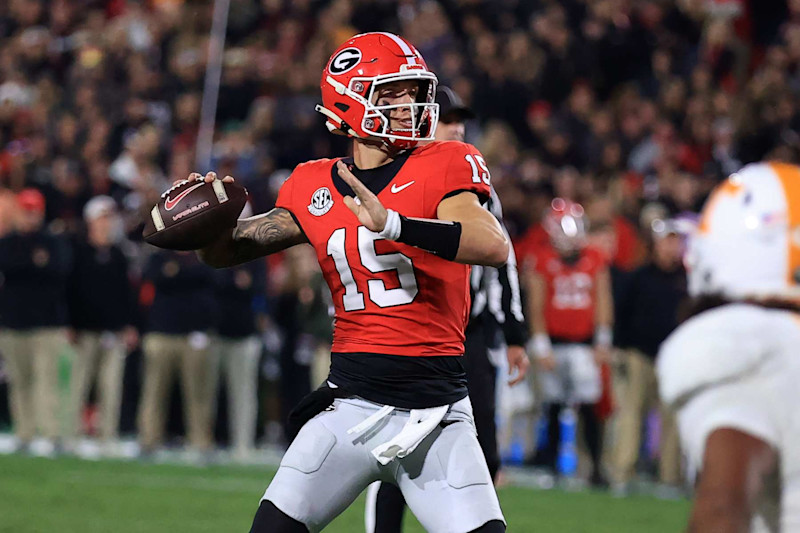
345	60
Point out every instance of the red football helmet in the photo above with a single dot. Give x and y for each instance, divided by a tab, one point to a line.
349	84
565	223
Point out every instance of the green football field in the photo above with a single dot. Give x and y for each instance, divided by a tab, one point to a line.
77	496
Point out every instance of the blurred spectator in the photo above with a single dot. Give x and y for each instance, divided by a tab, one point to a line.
619	236
238	90
34	267
241	301
136	169
305	323
66	196
102	314
648	312
8	212
179	324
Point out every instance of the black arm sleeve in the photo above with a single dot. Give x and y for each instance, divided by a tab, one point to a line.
436	236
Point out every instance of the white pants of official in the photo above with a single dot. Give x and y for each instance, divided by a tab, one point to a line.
445	480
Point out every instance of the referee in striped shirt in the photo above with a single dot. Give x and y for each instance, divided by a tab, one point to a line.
495	319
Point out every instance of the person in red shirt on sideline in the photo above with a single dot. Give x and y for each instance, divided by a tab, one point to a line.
570	310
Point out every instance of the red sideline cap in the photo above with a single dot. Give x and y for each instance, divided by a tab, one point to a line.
31	200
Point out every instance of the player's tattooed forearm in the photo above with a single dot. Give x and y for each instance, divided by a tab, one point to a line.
267	229
254	237
266	234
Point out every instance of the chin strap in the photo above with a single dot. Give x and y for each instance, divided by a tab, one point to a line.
344	129
341	129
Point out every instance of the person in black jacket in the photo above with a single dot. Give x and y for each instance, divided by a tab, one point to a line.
179	325
240	293
302	302
102	310
648	313
34	267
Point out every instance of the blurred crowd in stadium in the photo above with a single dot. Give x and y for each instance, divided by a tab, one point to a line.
635	109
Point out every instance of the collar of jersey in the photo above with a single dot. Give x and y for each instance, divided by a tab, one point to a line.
375	179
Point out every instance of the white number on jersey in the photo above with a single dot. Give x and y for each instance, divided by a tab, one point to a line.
572	291
484	170
353	300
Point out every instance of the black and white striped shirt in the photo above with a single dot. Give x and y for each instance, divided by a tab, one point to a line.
496	299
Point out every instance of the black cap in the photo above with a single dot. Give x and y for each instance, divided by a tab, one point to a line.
451	107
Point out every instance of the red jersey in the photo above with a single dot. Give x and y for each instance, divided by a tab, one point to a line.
390	298
570	299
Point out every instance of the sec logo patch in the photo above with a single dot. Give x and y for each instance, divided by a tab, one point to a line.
321	202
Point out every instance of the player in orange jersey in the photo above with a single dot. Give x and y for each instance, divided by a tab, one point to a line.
394	229
570	316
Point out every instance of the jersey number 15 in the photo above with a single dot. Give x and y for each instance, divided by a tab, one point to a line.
353	300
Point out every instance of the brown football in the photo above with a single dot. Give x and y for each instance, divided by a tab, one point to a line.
192	214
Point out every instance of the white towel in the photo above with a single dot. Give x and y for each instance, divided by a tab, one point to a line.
420	423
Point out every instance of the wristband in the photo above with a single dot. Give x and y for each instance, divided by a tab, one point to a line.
391	231
540	345
603	336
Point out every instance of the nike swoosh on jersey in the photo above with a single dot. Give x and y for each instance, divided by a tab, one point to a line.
170	203
396	189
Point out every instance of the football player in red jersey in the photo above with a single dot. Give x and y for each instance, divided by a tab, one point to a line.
571	315
394	228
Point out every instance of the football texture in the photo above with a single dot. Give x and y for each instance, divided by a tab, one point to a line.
192	214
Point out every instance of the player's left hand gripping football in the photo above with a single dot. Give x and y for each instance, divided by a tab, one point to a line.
365	206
